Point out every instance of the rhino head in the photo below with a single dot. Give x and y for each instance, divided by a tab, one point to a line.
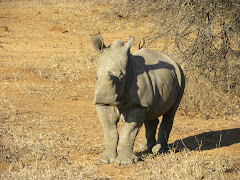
112	70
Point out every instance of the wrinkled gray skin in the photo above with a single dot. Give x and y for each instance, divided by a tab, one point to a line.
136	88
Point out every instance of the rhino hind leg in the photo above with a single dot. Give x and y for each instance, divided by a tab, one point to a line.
151	127
163	134
166	126
150	133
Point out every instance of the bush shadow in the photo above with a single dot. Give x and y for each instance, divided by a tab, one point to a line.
208	140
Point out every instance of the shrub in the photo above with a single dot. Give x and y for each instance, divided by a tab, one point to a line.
204	37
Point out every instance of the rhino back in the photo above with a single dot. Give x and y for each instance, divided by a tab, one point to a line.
158	80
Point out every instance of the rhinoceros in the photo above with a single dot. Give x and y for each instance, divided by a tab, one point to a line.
135	88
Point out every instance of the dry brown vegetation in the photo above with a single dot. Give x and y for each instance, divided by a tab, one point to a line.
48	124
204	37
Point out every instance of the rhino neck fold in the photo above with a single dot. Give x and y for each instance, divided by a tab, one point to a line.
130	96
128	73
122	100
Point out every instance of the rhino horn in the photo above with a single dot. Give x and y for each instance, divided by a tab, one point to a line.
97	42
141	43
130	42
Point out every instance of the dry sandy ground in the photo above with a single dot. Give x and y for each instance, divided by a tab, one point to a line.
47	76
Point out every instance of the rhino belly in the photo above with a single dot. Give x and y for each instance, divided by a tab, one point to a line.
165	91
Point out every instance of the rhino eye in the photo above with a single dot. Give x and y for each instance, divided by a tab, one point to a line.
111	73
121	75
96	78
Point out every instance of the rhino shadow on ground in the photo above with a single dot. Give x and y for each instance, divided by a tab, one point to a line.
204	141
208	140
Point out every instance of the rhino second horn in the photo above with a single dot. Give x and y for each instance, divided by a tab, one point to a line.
141	43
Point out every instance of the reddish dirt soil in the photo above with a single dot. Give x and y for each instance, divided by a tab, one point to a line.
47	94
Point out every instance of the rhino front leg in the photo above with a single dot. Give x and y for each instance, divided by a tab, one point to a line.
108	117
134	119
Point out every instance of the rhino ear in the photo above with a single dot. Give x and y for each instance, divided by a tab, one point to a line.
130	42
97	42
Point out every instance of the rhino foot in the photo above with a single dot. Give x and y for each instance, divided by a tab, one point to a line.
159	149
107	158
146	145
143	144
126	159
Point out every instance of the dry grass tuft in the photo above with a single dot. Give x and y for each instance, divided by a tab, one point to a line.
69	171
34	148
62	70
186	165
203	99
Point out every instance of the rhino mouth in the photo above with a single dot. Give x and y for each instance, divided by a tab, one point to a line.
110	104
106	102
